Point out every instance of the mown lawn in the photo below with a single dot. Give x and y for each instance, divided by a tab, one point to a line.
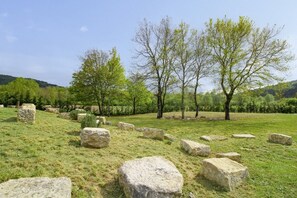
51	147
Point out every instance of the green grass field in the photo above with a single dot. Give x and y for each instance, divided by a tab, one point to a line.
51	147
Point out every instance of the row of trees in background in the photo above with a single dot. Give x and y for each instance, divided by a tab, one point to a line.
236	55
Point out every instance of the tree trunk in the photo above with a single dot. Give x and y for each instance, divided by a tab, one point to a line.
227	107
183	102
197	110
195	100
134	105
159	114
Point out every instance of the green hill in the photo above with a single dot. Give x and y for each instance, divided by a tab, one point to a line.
287	89
5	79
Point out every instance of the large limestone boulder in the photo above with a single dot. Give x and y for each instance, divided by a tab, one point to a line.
26	113
150	177
153	133
95	137
224	172
280	139
195	148
231	155
36	188
81	116
64	115
213	138
126	126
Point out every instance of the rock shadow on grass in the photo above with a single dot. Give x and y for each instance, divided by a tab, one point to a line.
209	185
11	119
112	189
73	133
75	143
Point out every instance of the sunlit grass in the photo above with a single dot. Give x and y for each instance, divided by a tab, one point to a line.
52	148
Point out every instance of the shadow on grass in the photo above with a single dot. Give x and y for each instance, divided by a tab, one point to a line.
209	185
112	189
12	119
75	143
73	133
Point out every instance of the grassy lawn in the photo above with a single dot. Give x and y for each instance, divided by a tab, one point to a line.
51	147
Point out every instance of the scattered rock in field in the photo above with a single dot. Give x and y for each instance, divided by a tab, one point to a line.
195	148
97	122
102	119
126	126
36	187
247	136
81	116
26	113
152	133
169	137
280	139
224	172
231	155
95	137
108	123
64	115
150	177
213	138
11	106
52	110
202	117
1	106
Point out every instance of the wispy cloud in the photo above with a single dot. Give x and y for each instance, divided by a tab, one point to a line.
11	39
4	14
83	29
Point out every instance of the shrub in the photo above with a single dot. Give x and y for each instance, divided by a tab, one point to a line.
88	121
73	113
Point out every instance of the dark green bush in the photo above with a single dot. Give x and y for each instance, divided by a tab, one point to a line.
88	121
73	114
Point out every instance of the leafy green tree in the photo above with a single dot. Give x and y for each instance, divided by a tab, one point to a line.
20	87
155	45
245	56
138	93
99	78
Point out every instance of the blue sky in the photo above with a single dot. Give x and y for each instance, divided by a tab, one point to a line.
43	39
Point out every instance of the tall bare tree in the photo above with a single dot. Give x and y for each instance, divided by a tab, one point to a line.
202	63
155	44
184	63
245	56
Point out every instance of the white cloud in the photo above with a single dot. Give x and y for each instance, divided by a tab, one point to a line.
11	39
83	29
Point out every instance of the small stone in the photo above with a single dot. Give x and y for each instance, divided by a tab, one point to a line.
153	133
224	172
52	110
81	116
1	106
195	148
36	187
108	123
169	137
102	119
191	195
231	155
247	136
95	137
280	139
150	177
64	115
213	138
126	126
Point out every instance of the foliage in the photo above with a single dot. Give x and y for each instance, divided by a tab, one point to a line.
245	56
99	78
73	113
88	121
